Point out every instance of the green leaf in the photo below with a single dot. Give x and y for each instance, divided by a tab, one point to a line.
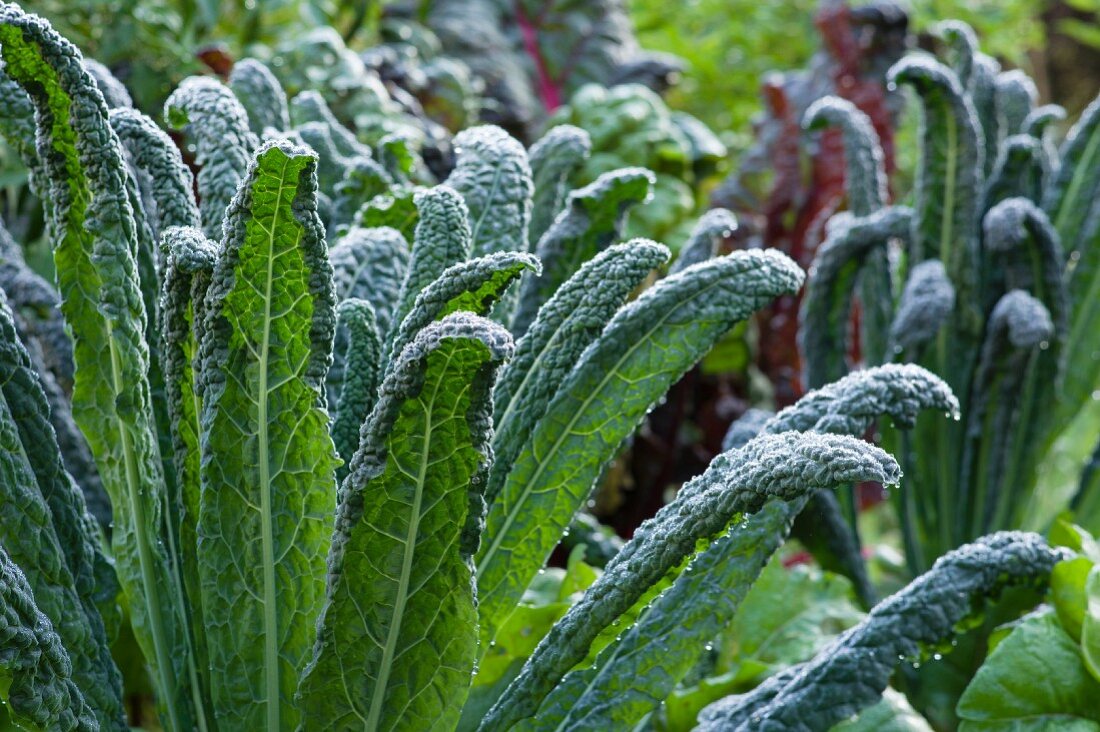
35	680
865	164
310	106
43	528
442	239
268	463
474	286
363	360
645	348
706	237
1090	624
370	265
1067	593
189	265
736	482
94	237
846	255
217	125
261	95
114	93
947	194
852	672
493	176
396	208
1033	680
1017	171
925	306
892	714
152	152
398	632
789	615
592	221
566	325
669	638
554	159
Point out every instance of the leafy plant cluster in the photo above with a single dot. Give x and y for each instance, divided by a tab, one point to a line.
343	412
992	287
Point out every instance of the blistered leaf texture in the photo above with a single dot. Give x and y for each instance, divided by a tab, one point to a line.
706	238
865	164
925	306
398	633
592	221
950	175
646	347
41	693
851	673
91	226
566	325
554	159
217	125
43	529
473	286
153	153
268	462
363	359
261	95
114	93
826	306
442	238
189	265
784	466
371	265
493	176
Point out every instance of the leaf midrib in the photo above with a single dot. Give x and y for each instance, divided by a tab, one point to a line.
388	651
271	635
567	430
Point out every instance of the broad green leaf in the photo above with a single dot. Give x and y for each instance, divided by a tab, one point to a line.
736	483
493	176
151	151
554	159
789	615
566	324
1034	679
268	463
592	220
35	681
852	672
399	629
189	264
94	237
43	528
396	208
1090	624
1067	593
261	95
217	125
645	348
